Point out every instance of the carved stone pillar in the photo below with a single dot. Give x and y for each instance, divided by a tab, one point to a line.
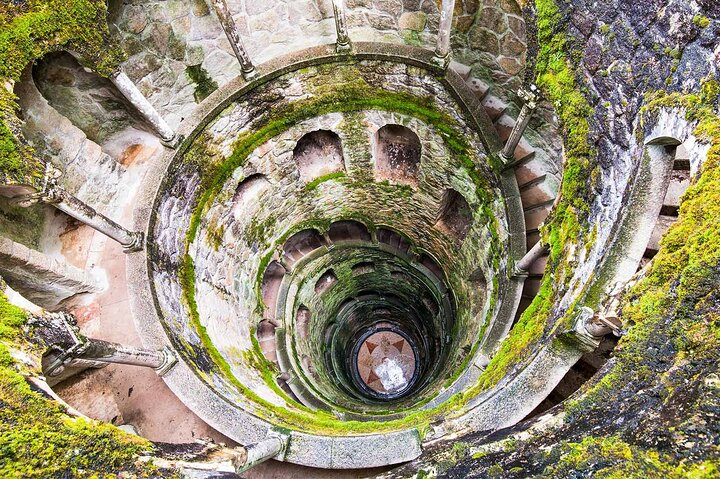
138	100
442	49
98	353
254	454
529	96
228	461
56	196
70	352
343	37
233	36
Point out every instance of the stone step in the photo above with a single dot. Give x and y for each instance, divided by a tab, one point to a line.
663	224
461	69
478	87
538	194
535	216
524	151
538	267
504	126
494	106
530	184
531	287
679	183
529	170
533	236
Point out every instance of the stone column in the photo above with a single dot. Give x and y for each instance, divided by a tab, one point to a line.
522	266
442	49
72	206
89	352
343	37
138	100
59	198
227	461
529	96
254	454
233	36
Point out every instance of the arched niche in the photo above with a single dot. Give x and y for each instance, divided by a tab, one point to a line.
393	239
301	244
326	281
271	282
247	193
266	338
317	154
90	101
431	265
348	231
302	321
455	216
397	154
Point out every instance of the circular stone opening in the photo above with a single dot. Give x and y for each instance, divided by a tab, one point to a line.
385	361
290	268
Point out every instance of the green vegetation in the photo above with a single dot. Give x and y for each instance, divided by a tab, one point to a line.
322	179
611	457
28	31
685	270
22	225
38	439
676	299
701	21
204	84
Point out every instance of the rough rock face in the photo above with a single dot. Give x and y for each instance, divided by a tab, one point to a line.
652	411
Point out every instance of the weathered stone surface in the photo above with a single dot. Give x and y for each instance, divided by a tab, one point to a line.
136	20
510	65
492	19
484	40
413	21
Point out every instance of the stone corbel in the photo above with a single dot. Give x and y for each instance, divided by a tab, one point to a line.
590	327
579	335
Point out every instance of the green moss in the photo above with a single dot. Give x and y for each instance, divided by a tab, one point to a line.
38	439
215	235
411	37
257	231
345	93
701	21
611	457
30	30
204	84
322	179
557	80
22	225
